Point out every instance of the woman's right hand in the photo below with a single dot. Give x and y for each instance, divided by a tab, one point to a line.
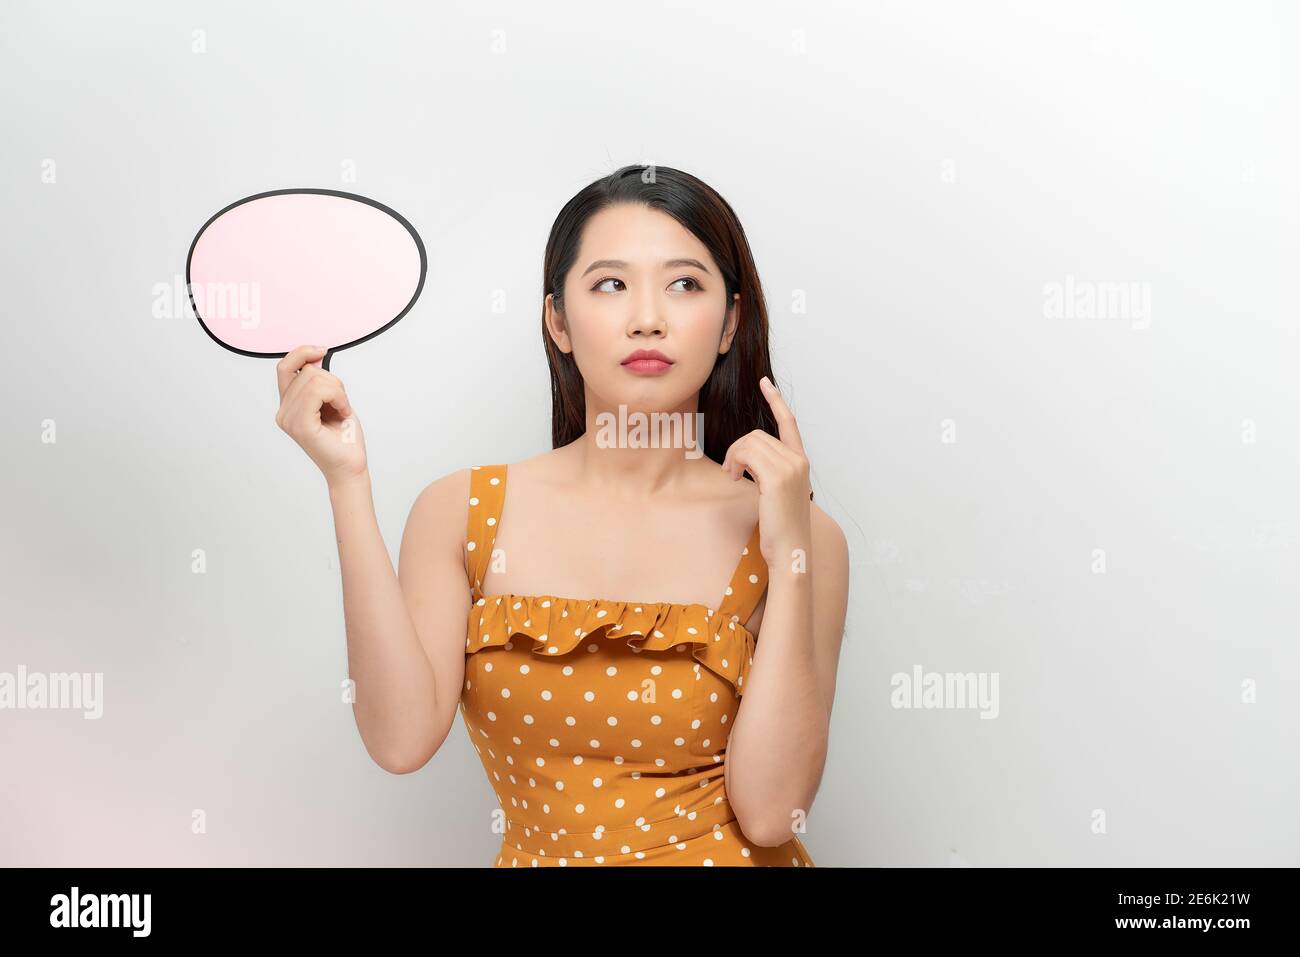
315	412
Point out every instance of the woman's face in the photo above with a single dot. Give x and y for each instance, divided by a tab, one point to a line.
642	281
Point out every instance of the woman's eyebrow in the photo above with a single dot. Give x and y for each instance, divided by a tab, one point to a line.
668	264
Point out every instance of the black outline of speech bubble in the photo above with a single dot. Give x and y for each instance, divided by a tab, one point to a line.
329	352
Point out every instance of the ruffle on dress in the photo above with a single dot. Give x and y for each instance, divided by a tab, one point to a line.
559	625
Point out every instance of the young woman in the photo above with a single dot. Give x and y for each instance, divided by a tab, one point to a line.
595	612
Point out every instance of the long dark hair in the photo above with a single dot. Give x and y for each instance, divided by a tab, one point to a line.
730	398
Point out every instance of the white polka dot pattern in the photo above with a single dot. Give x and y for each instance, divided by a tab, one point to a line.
603	725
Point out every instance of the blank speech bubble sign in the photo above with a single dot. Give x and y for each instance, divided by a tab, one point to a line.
294	267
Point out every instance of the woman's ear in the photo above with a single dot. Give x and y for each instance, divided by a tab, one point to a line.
730	324
556	325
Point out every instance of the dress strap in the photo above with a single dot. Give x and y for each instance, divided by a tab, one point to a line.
487	493
748	582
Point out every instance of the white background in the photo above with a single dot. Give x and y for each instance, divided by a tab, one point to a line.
916	173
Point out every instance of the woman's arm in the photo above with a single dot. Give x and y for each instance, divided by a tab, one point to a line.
778	744
405	630
405	633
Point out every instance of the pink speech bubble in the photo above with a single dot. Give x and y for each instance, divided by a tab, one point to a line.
292	267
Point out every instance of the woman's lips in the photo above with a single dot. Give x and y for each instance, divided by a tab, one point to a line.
647	366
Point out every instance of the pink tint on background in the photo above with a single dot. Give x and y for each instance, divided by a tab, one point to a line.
302	268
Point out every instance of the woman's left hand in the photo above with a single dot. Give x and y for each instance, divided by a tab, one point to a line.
780	468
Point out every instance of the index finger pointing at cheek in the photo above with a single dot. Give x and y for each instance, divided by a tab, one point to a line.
785	423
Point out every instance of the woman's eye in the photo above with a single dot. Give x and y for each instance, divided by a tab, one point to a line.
601	286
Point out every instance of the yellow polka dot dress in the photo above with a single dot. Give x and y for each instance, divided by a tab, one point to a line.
603	725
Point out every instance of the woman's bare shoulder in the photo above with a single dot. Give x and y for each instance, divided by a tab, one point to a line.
437	520
442	492
827	529
447	496
548	469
